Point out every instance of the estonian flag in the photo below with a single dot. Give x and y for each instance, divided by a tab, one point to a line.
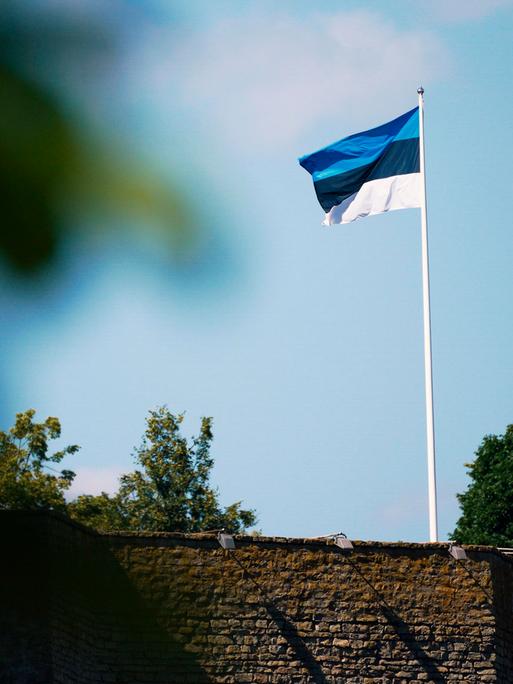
368	173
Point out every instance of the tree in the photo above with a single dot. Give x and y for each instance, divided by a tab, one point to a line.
170	491
24	483
487	505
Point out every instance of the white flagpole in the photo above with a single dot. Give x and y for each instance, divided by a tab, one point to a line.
433	522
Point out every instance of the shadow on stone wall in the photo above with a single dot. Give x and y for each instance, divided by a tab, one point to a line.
301	651
287	629
69	612
133	642
76	606
407	637
502	590
25	656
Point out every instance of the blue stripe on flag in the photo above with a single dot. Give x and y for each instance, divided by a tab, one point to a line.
400	157
360	149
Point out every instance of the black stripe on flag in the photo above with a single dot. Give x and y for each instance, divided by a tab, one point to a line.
401	157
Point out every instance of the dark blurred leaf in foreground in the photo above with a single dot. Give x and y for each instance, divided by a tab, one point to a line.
52	171
37	154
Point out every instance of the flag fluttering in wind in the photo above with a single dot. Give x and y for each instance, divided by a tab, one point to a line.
369	173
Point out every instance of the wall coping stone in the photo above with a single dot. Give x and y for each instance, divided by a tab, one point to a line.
120	536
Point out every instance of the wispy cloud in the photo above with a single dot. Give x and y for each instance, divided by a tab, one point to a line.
267	79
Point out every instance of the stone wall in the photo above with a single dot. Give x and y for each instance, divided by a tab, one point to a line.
129	608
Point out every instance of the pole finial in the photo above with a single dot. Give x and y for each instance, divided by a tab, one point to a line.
420	90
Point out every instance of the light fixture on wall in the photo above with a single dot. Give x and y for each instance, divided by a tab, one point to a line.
343	542
226	541
338	538
457	552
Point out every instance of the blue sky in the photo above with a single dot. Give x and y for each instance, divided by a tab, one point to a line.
304	343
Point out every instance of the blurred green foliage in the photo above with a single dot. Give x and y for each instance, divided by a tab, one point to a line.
53	169
487	505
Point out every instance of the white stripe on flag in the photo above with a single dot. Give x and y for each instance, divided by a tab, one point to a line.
376	197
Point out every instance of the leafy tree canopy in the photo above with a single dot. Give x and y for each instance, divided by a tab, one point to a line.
24	480
487	505
170	491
